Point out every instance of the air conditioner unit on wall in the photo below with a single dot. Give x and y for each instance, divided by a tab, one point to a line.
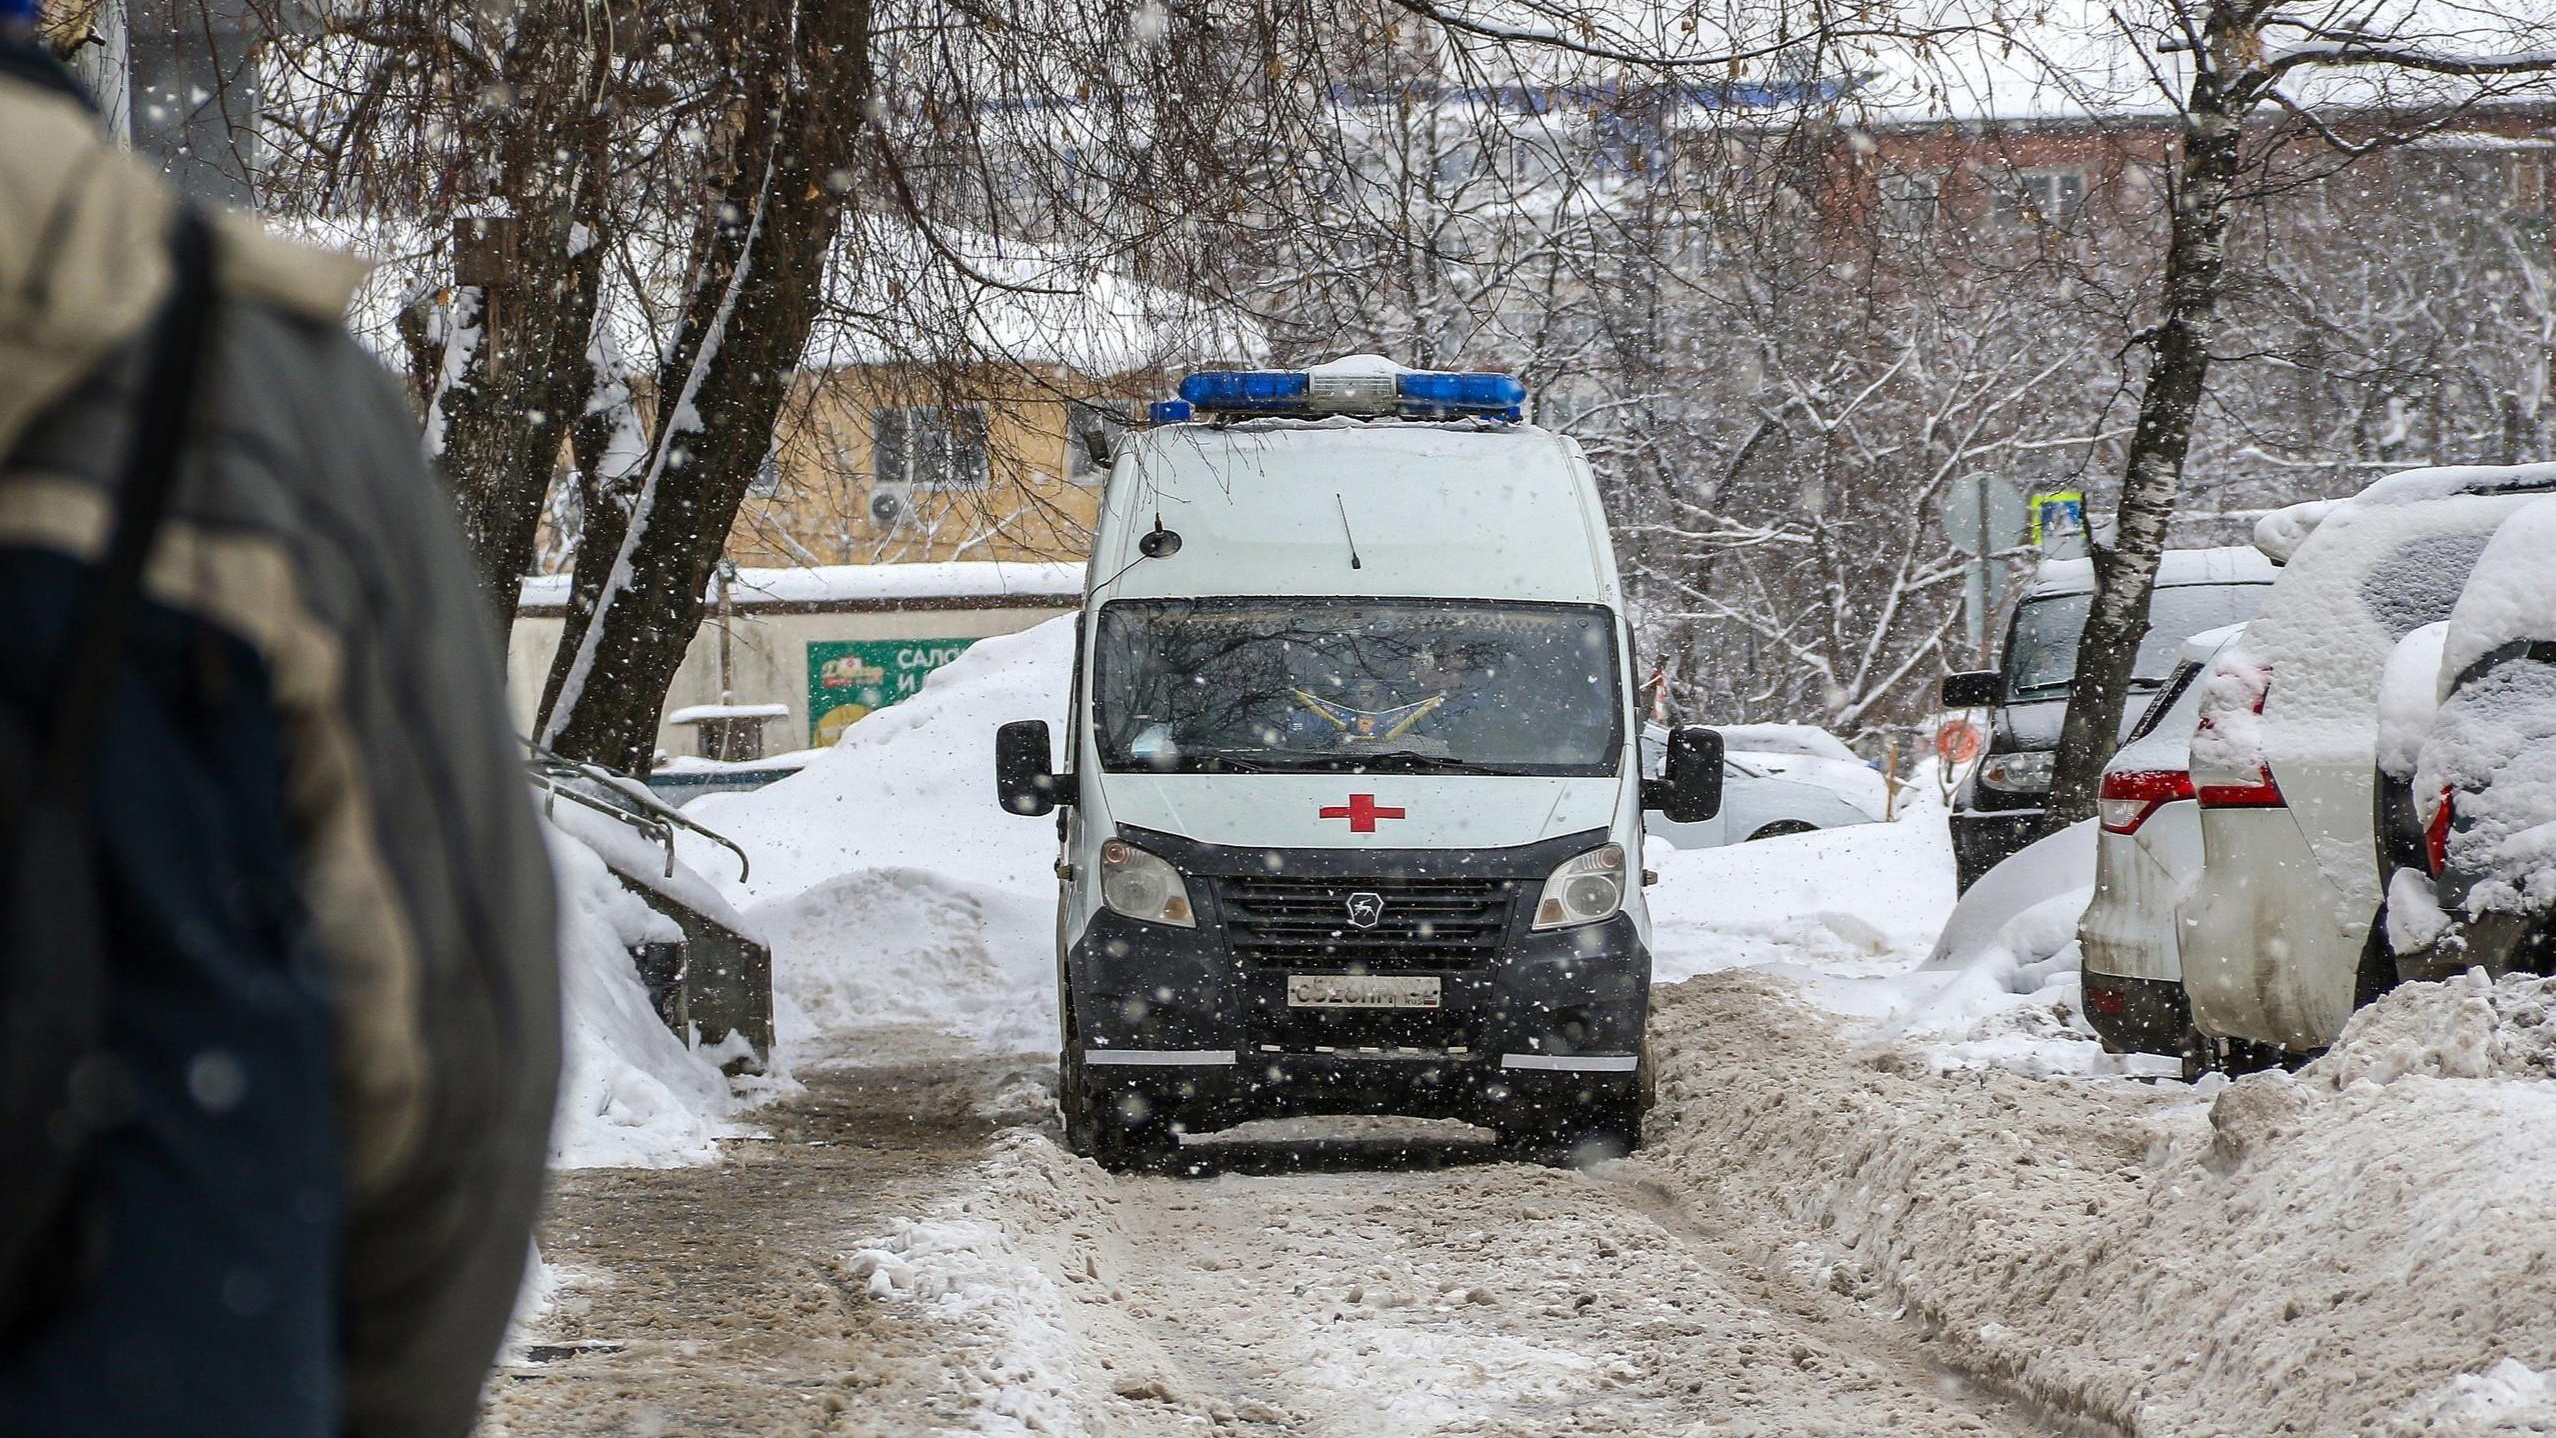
892	503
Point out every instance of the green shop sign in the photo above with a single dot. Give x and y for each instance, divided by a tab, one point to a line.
849	678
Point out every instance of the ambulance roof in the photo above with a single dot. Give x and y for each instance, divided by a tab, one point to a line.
1455	510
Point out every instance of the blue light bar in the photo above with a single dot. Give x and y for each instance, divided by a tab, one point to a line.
1167	411
1410	394
1439	394
1247	391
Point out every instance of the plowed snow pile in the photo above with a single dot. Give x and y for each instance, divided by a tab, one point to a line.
892	889
631	1095
2369	1246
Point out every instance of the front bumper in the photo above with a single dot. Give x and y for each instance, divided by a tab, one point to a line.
1180	1013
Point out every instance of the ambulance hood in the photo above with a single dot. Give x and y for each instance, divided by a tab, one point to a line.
1361	811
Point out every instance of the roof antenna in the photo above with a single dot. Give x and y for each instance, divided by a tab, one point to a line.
1158	542
1350	534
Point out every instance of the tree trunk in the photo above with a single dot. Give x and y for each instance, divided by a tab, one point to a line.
2126	571
534	275
760	289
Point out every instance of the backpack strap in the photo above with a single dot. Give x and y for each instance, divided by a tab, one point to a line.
114	592
59	1088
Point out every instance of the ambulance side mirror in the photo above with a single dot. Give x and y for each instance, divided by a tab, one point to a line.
1689	789
1022	780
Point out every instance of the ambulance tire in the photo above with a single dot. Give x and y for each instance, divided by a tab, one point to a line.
1604	1122
1121	1129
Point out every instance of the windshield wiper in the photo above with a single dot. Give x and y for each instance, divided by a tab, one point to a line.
1253	764
1388	760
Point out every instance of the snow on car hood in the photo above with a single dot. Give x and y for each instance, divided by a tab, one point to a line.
1327	811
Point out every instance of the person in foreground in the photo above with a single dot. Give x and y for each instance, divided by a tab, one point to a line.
279	1009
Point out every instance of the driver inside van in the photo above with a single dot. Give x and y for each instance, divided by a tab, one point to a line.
1371	713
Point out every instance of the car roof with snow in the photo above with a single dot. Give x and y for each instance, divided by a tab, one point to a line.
2228	564
1359	508
2280	533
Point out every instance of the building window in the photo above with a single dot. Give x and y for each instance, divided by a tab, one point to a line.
929	446
1083	421
2037	198
1908	204
2529	183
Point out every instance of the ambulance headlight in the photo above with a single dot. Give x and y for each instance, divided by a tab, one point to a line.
1142	886
1584	890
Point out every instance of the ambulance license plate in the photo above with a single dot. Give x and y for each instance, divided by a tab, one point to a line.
1360	991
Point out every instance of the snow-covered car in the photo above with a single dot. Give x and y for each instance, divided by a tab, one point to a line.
2147	848
2277	944
1998	809
1758	801
1808	754
2485	774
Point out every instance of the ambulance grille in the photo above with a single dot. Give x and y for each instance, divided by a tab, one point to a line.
1423	924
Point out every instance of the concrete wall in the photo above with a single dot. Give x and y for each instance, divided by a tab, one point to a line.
770	658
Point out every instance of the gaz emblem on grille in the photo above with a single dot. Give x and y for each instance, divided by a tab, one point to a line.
1366	909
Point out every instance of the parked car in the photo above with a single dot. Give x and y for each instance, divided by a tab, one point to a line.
2485	774
2147	848
1808	754
1998	808
2279	945
1757	801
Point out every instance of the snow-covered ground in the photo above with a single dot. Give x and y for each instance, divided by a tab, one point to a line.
1887	1149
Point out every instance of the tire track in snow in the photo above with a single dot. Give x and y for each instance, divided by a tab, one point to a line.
1501	1300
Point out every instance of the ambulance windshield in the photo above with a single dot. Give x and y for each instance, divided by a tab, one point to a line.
1352	685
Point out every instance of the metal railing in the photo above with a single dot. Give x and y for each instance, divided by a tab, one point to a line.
618	796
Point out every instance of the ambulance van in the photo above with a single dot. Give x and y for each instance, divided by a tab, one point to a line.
1350	802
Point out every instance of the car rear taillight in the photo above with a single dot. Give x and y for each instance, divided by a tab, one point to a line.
2436	833
2129	796
2260	792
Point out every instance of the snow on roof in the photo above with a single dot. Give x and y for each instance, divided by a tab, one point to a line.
1805	740
871	584
2230	564
705	713
2418	486
2000	60
901	296
895	295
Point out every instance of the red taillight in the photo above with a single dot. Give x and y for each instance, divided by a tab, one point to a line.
2263	793
2111	1003
2436	833
2129	796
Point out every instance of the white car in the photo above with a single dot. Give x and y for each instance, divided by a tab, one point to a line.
2278	949
1763	796
2147	849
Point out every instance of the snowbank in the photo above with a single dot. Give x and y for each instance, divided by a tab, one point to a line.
1853	917
891	887
631	1095
1783	902
2372	1242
